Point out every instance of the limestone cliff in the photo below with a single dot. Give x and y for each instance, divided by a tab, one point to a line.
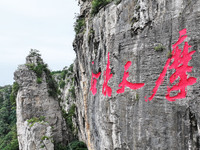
140	31
39	118
108	35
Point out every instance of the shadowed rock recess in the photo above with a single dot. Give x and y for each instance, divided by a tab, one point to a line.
140	31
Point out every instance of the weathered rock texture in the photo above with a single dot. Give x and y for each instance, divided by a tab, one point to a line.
130	31
33	100
37	136
67	99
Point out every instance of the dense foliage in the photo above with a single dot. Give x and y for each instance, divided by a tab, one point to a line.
75	145
8	131
13	94
62	84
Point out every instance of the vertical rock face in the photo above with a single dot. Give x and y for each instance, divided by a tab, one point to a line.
39	115
67	99
131	31
36	136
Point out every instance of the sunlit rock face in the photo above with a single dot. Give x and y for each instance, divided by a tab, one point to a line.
131	31
39	118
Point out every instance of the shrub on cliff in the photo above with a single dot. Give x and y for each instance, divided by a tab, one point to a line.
68	117
62	84
75	145
98	4
39	68
71	67
34	52
159	47
13	95
33	120
117	2
79	25
72	91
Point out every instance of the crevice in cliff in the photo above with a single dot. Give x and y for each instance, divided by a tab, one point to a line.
194	131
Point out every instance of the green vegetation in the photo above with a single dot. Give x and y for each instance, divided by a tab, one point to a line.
43	146
66	76
91	34
41	68
63	74
39	80
13	95
9	141
68	117
75	145
159	47
38	70
55	72
33	120
62	84
169	54
98	4
8	131
61	77
71	67
72	91
137	97
79	25
45	138
117	1
33	53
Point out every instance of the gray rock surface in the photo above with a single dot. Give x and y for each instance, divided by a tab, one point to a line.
67	99
130	31
33	100
38	136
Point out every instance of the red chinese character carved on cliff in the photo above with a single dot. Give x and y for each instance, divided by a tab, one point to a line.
180	64
107	76
125	83
94	82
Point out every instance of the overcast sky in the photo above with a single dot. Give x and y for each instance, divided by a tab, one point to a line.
46	25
